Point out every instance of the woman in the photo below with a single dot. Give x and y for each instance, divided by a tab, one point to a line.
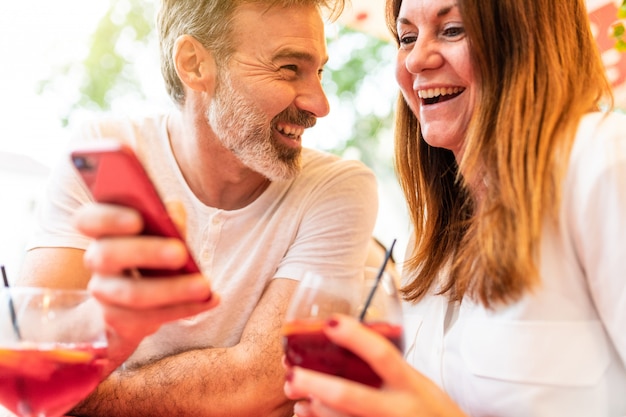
515	282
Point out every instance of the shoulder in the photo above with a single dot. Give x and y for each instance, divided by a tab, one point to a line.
131	131
600	140
327	180
146	135
597	128
325	175
598	157
319	163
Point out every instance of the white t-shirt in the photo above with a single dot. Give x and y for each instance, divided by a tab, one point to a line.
560	351
322	218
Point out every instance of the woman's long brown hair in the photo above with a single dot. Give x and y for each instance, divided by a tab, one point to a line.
538	72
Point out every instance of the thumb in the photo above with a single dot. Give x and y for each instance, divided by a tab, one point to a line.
177	212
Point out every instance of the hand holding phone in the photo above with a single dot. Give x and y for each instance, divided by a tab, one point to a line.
114	175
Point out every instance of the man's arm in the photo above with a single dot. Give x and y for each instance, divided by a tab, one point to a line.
244	380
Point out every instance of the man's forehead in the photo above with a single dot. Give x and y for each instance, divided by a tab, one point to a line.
260	13
295	32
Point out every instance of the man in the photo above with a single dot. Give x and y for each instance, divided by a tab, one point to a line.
260	211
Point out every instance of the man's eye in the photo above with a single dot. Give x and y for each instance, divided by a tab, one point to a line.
293	68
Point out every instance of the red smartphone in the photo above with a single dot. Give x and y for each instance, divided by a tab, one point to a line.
114	175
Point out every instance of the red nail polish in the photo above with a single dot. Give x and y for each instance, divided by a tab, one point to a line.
332	323
289	375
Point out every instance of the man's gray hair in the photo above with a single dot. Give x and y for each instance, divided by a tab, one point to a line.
209	21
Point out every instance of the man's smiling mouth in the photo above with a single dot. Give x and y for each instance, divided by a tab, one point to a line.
291	131
438	95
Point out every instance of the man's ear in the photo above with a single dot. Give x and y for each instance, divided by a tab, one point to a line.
194	64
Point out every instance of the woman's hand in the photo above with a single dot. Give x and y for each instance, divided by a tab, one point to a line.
405	392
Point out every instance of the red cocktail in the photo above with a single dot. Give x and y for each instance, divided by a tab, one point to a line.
53	349
306	345
366	295
48	381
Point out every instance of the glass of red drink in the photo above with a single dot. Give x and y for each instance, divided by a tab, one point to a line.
317	298
53	349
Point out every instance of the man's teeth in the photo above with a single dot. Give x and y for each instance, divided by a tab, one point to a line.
290	130
436	92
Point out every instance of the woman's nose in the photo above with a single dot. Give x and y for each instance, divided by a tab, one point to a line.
425	55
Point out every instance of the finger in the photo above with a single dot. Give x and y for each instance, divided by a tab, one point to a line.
112	256
330	394
99	220
303	409
177	212
150	293
319	409
403	386
125	322
405	391
382	355
337	394
126	329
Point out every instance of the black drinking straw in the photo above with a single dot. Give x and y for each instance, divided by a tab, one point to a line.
378	277
16	328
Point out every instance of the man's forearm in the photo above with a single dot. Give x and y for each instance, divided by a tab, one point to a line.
199	383
243	380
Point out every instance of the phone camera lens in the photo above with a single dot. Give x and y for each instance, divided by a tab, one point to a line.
82	163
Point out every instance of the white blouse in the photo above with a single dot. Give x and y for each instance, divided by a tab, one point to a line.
561	350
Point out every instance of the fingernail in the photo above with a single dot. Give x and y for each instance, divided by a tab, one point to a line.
332	323
289	375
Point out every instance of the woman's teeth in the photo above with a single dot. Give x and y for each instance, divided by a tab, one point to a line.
436	95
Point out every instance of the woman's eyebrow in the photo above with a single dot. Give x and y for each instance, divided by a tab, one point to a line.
445	10
442	12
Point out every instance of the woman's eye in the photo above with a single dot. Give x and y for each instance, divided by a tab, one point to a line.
407	40
454	31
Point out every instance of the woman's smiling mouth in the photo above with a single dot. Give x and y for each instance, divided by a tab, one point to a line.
438	95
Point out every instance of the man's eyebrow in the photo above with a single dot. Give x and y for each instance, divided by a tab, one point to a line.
298	55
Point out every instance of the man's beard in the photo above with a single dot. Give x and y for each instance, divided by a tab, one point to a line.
243	129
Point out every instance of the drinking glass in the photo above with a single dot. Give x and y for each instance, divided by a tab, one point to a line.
321	295
52	349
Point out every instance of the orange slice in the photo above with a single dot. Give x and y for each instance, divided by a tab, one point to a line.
70	356
10	358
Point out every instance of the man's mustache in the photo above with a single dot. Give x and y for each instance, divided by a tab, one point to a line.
296	117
